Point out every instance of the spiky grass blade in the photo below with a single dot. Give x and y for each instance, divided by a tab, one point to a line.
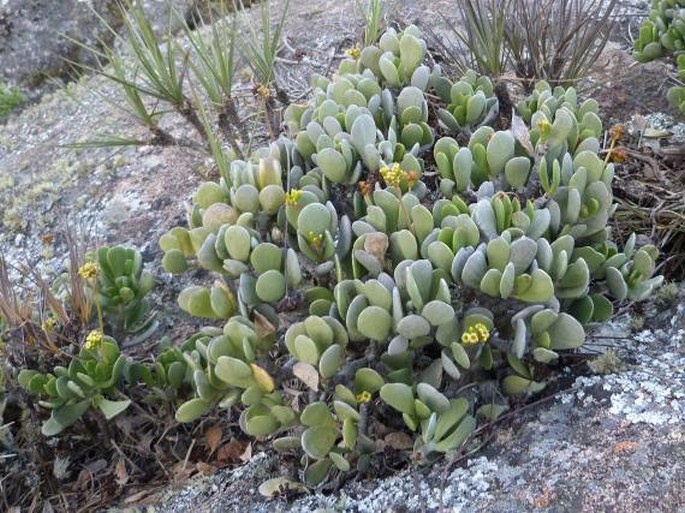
260	50
214	63
372	15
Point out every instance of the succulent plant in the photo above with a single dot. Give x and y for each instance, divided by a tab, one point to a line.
413	293
662	34
169	377
71	391
470	102
122	286
319	342
676	94
397	58
217	302
445	424
320	233
225	370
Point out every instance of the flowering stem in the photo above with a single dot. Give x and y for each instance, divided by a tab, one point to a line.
403	207
98	307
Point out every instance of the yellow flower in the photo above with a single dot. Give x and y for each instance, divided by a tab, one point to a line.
354	52
315	239
88	270
93	340
364	396
483	332
292	198
392	175
545	128
49	324
263	91
475	334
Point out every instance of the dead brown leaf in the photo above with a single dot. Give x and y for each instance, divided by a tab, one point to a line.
544	500
295	397
213	437
307	374
90	469
377	245
182	471
205	468
521	134
263	327
247	454
625	446
120	472
379	428
139	496
231	452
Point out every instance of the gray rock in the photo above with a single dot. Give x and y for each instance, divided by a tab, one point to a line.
37	37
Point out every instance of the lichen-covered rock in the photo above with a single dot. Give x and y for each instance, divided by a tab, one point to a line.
609	442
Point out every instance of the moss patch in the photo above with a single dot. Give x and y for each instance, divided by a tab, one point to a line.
10	98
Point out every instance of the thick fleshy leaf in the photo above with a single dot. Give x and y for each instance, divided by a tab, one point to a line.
398	396
413	326
317	441
192	410
566	333
111	409
375	323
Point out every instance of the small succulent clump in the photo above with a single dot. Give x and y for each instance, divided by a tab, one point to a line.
92	376
92	373
663	35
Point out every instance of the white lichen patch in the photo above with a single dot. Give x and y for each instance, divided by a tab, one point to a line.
658	121
654	395
653	390
462	487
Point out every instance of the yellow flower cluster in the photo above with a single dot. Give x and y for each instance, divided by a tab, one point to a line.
545	128
315	239
49	324
393	174
93	340
476	334
354	52
88	270
293	197
263	91
364	396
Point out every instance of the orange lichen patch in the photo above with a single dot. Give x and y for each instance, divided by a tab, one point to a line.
545	499
625	446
